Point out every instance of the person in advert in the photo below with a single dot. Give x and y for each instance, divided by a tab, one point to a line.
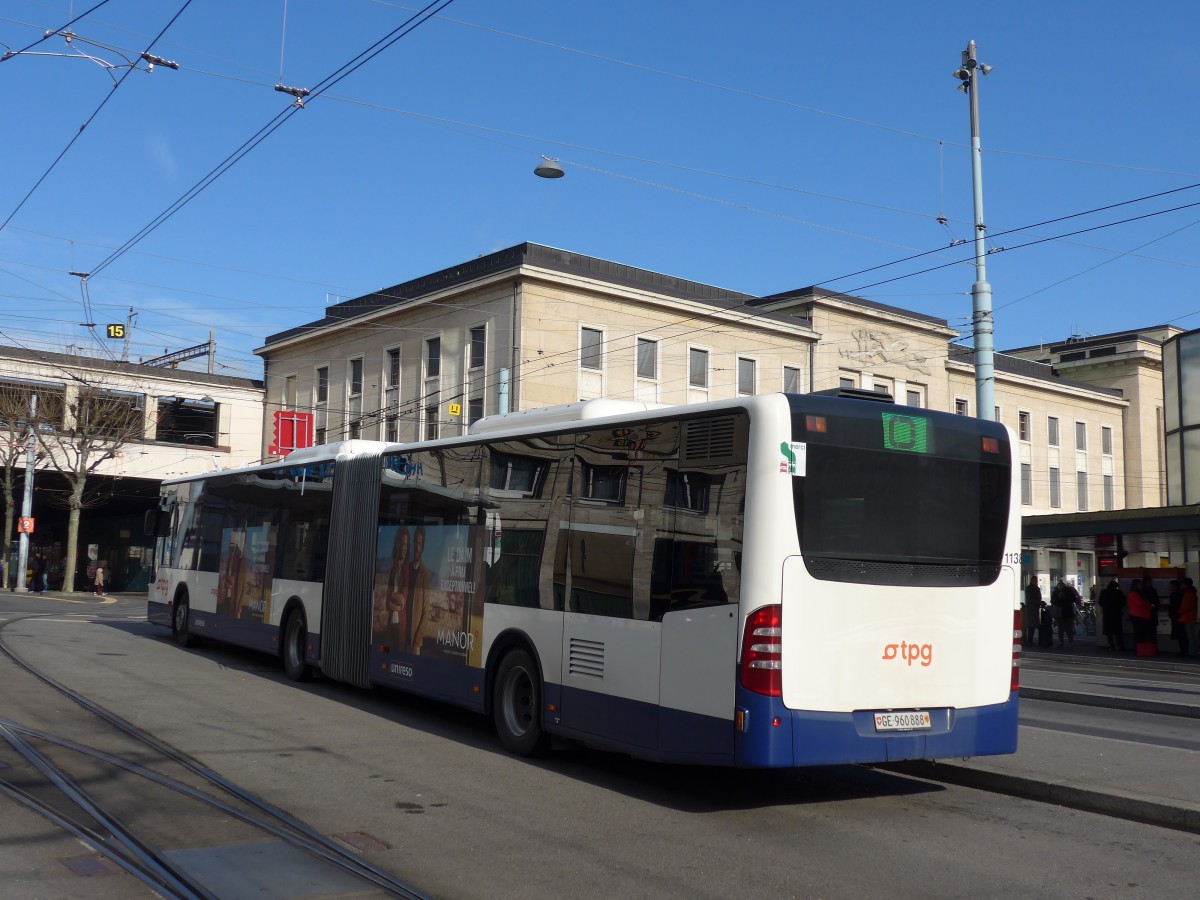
418	593
396	594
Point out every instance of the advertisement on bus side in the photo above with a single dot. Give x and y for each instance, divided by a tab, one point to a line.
429	588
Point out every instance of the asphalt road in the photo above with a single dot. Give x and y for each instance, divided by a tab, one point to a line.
427	790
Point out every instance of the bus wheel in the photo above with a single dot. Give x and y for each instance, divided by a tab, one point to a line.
295	637
181	625
517	704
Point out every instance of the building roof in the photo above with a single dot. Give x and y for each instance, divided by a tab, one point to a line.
512	259
1154	334
1027	368
119	367
809	294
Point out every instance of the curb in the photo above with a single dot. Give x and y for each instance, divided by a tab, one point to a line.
1175	814
1132	704
1118	662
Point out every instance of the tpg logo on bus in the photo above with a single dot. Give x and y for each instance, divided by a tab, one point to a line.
910	652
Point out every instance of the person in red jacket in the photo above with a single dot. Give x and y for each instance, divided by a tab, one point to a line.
1187	619
1141	614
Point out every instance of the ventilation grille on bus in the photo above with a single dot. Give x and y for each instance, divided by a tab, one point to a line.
857	571
586	658
709	438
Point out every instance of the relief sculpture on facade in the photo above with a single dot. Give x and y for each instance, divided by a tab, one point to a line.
879	347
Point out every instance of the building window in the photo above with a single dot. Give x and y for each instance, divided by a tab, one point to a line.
1080	435
961	407
474	410
1055	489
431	422
913	398
1108	492
1052	431
1026	484
590	340
1106	440
996	414
356	380
1082	490
393	427
698	368
791	380
847	381
745	376
880	386
393	368
478	347
320	436
604	483
289	392
647	358
433	357
323	384
1023	425
355	429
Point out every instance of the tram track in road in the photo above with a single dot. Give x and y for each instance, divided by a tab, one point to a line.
149	808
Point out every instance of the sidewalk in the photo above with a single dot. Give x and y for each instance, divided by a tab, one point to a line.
1145	783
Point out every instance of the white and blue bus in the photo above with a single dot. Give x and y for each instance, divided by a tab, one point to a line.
778	580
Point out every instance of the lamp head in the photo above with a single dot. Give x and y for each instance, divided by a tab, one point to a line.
549	168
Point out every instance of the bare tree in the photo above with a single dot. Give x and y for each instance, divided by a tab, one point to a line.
96	423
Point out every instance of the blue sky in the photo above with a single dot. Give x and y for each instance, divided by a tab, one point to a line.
758	146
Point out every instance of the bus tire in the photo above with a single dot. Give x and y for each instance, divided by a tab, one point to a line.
295	638
517	705
181	622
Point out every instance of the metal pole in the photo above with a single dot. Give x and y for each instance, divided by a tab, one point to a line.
27	502
981	291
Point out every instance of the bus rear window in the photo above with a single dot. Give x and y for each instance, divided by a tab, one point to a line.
894	499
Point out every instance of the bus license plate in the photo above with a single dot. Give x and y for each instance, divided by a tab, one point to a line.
902	721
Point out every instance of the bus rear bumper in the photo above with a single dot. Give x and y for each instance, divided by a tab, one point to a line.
775	736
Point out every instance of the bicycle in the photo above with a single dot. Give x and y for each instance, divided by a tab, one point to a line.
1085	615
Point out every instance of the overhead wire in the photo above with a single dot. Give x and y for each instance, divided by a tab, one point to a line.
275	122
55	32
94	114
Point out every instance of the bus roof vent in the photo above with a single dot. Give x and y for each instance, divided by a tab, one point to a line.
856	394
548	416
709	439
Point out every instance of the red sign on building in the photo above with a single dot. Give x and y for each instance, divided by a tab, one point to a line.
293	431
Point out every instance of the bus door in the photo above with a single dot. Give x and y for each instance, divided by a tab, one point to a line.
610	649
695	585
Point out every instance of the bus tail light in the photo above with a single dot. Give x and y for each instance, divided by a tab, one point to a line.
762	652
1016	665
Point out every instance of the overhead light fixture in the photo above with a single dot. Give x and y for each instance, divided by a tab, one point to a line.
549	168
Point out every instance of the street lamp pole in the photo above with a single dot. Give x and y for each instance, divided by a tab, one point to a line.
27	504
981	292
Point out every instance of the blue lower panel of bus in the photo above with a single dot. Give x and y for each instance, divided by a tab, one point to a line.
243	632
158	613
640	729
776	736
452	682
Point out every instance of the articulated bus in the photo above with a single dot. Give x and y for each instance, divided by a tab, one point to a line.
777	580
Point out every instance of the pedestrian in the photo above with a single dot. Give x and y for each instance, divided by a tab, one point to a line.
1065	599
1174	596
99	581
1141	614
41	580
1188	613
1112	602
1033	610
